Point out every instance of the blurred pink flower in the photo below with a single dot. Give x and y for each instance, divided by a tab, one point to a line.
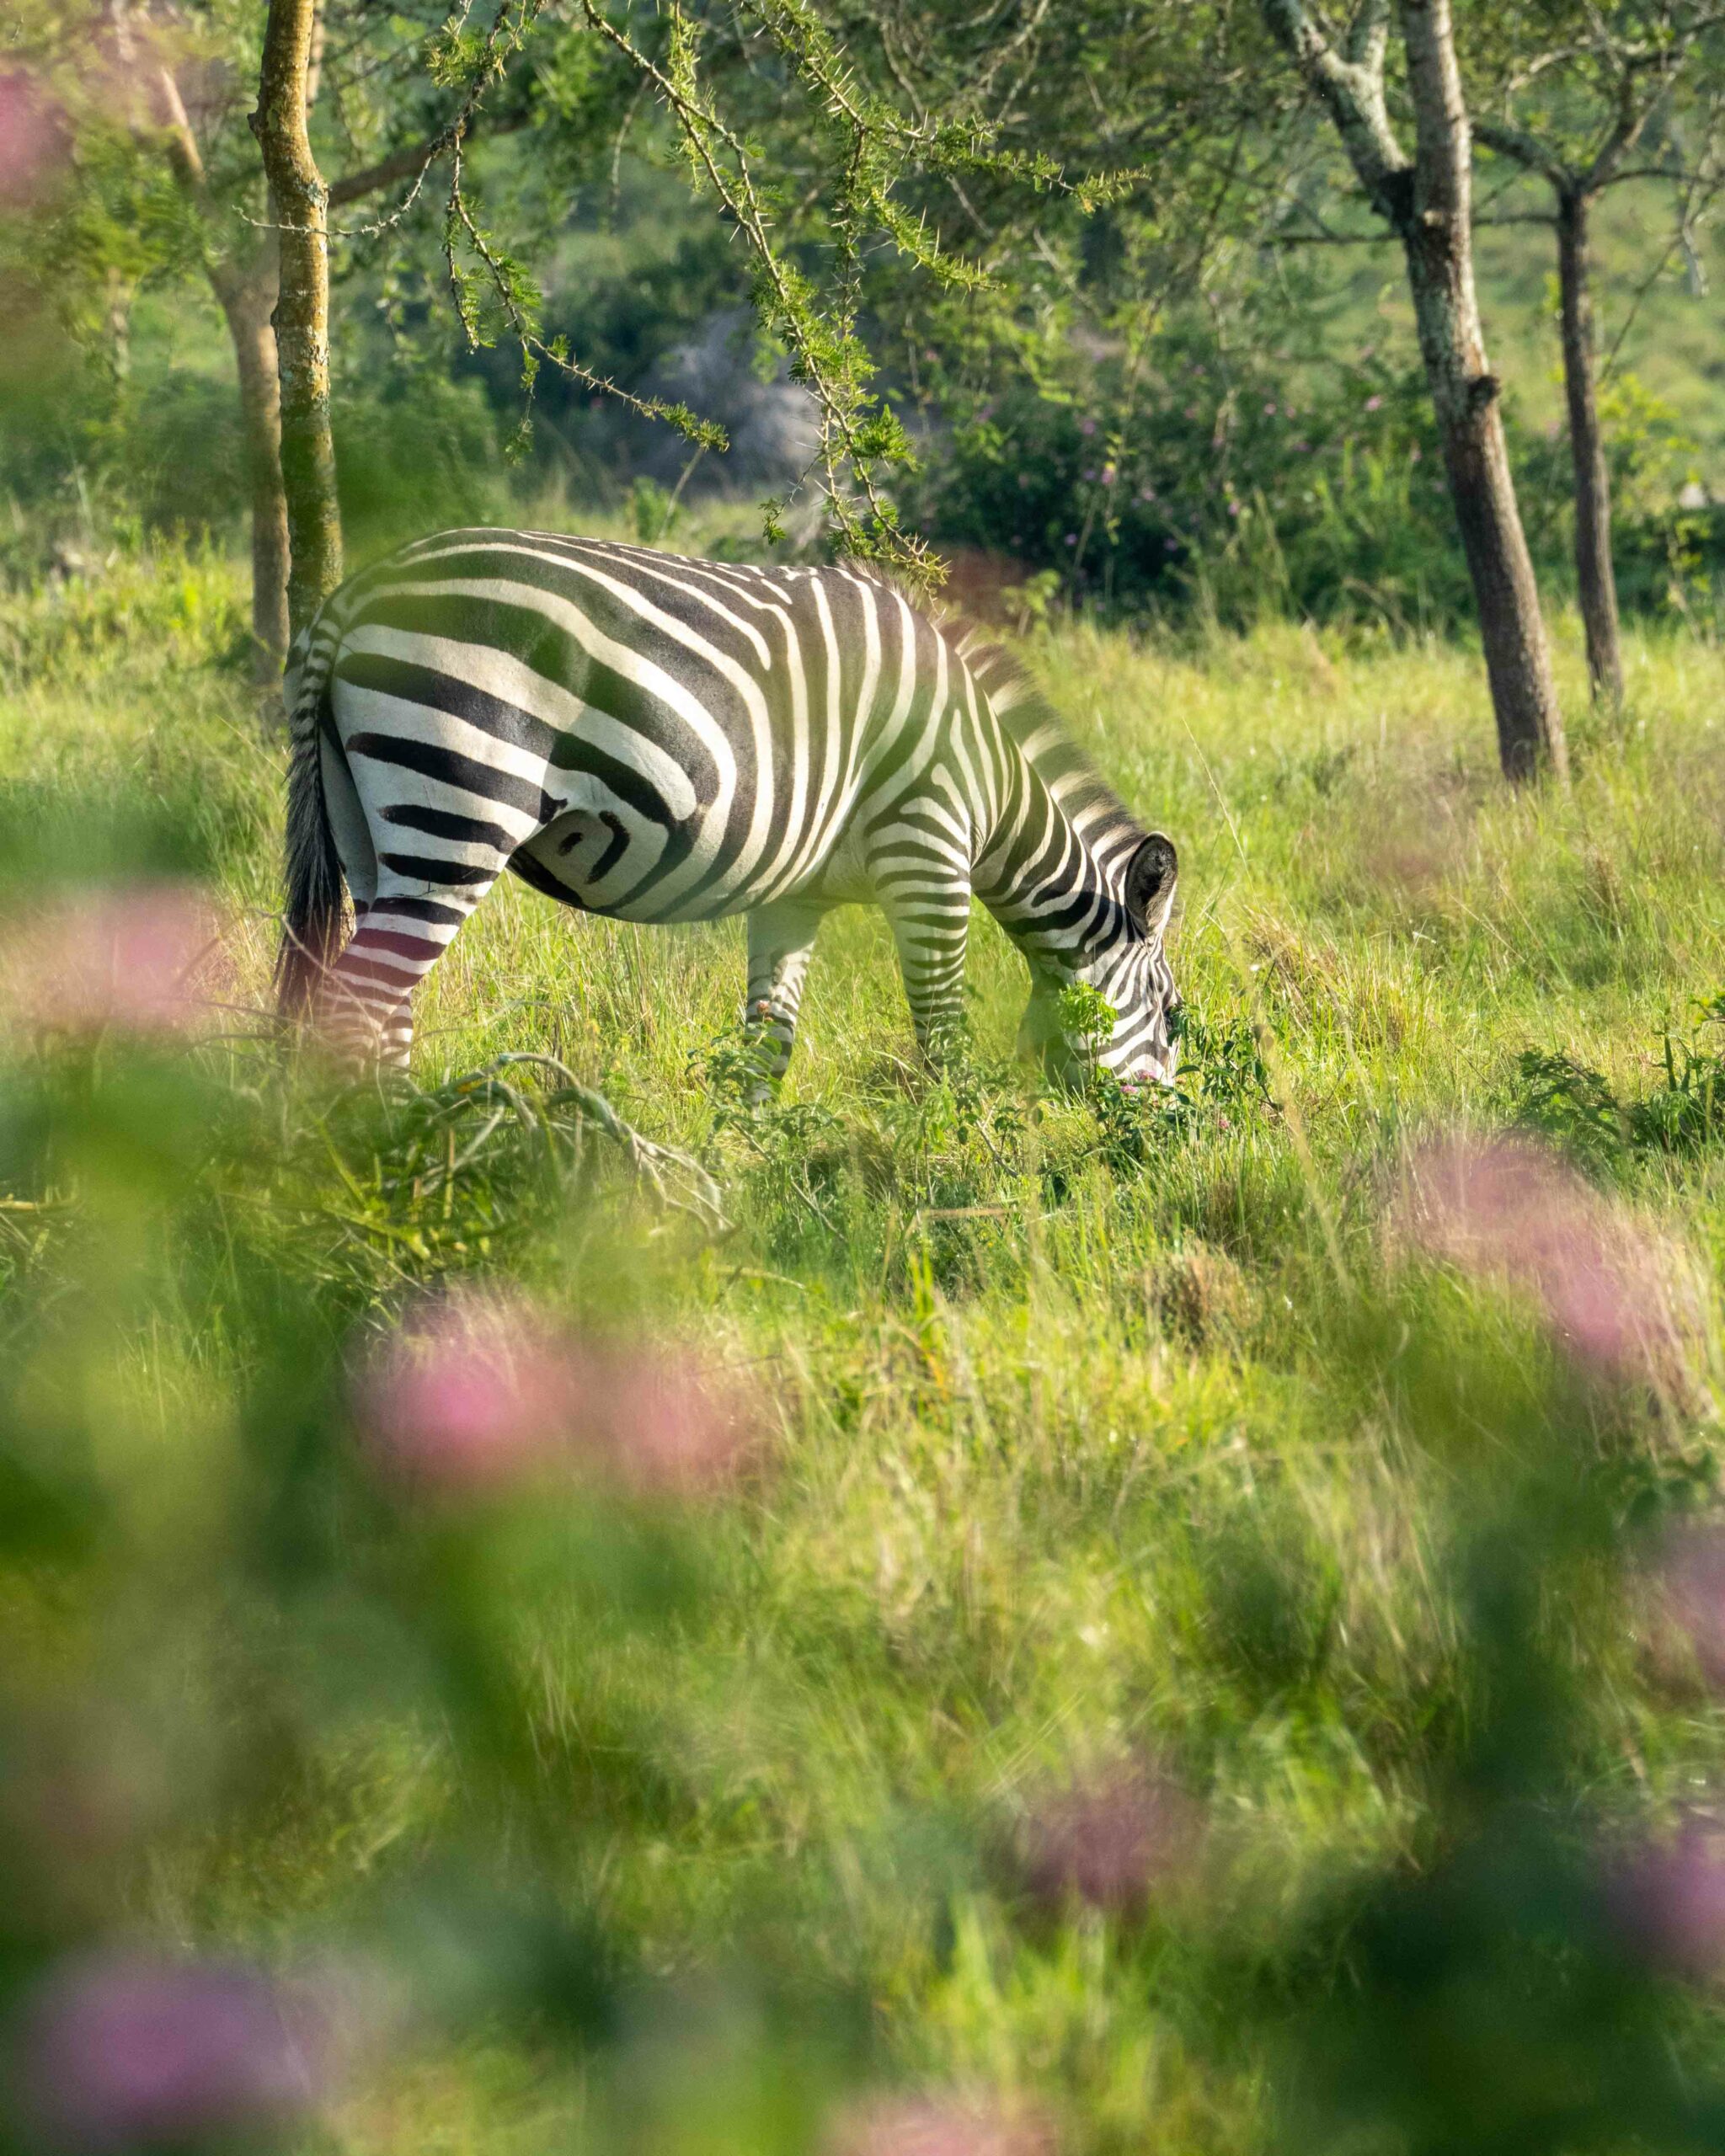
1689	1581
477	1394
1503	1206
937	2126
126	2052
1374	404
1114	1842
130	958
32	140
1668	1902
474	1394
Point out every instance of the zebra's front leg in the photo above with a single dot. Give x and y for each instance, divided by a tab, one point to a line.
931	923
781	943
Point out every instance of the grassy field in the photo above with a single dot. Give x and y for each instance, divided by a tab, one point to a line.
1191	1662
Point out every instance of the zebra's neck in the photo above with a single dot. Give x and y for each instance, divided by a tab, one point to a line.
1053	871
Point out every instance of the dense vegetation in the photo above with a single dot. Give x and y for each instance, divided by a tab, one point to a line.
1211	1637
558	1603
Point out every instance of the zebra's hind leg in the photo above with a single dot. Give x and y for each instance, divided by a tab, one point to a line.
780	943
366	1014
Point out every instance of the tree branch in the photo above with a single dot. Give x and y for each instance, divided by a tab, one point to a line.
410	162
1353	89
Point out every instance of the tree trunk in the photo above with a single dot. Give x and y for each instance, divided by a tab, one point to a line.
247	297
1594	580
1435	209
302	315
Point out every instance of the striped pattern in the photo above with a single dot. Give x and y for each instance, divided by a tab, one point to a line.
656	739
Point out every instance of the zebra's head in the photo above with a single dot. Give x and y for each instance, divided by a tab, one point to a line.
1121	955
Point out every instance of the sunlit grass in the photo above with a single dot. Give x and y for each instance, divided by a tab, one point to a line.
1069	1462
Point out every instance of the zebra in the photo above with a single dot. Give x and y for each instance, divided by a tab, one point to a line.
658	738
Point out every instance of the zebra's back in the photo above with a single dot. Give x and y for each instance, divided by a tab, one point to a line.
636	733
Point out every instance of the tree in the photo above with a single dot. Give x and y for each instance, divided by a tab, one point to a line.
299	205
1426	199
1577	93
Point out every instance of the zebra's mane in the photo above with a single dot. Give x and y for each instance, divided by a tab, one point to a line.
1024	711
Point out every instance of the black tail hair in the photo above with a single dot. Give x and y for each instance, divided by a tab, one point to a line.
313	919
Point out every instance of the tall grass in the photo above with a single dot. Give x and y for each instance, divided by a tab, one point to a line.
1092	1443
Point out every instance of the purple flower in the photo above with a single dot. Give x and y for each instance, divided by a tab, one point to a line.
479	1395
1088	476
1109	475
1113	1842
33	140
1668	1903
1086	427
937	2126
1071	538
1372	404
1233	509
122	2052
1504	1208
1689	1578
1171	546
128	958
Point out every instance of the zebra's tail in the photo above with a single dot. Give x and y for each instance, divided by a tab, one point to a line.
313	919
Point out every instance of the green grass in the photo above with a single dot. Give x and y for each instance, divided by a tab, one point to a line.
1073	1458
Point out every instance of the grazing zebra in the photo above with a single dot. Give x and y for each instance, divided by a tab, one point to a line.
657	738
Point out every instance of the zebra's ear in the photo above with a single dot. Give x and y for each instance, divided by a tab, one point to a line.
1151	876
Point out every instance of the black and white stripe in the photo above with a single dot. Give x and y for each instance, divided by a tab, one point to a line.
658	738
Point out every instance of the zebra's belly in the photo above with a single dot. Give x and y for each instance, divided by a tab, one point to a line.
603	861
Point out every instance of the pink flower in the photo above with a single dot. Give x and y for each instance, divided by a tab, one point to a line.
937	2126
1374	404
1086	427
1668	1903
1504	1206
1113	1842
122	2052
127	958
1689	1581
32	140
471	1395
1269	411
1109	475
476	1395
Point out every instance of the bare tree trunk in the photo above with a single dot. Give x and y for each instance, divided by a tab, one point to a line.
1596	582
248	295
1427	201
302	315
1437	236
